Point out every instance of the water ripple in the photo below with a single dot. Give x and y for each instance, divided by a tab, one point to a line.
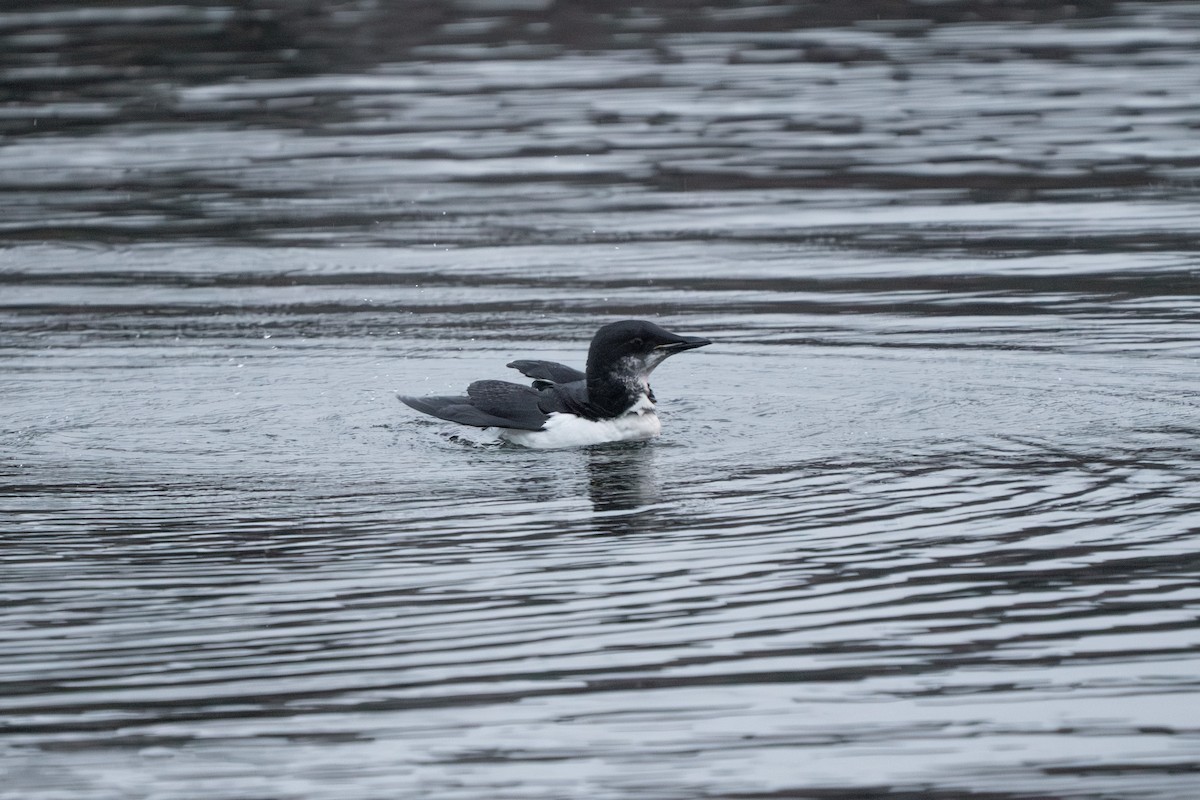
922	521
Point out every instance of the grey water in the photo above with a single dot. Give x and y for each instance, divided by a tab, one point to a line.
924	521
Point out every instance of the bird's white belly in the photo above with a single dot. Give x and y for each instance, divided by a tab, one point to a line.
568	430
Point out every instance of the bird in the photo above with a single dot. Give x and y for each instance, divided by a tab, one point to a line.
611	401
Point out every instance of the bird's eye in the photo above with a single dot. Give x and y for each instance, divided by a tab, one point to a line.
637	343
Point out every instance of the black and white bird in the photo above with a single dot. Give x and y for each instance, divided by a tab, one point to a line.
610	402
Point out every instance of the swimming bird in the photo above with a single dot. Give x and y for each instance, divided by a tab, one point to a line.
610	402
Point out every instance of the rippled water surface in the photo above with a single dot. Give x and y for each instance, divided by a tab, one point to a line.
923	522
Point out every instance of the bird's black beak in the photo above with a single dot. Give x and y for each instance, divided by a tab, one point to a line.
683	343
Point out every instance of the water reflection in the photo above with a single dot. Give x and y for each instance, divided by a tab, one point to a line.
623	478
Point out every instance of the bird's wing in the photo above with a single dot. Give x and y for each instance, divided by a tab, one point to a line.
510	401
487	404
548	371
566	398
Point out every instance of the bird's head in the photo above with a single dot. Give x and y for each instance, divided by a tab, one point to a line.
630	350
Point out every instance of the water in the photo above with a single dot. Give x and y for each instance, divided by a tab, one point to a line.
924	521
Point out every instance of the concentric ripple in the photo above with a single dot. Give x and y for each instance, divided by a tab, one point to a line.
923	522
